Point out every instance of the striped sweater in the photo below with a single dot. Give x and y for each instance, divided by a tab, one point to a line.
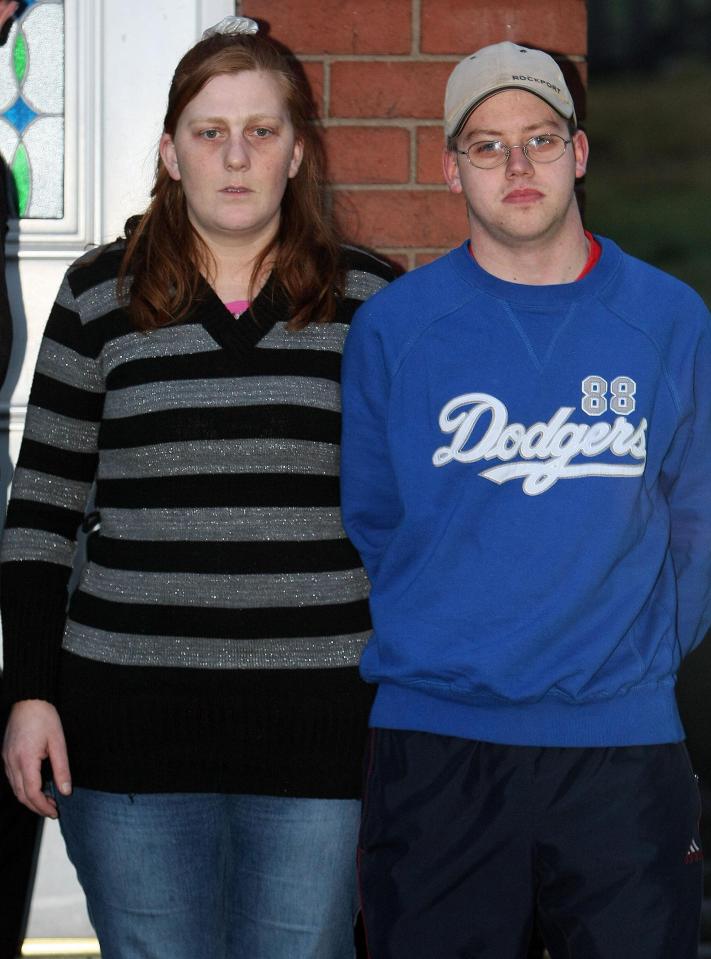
212	640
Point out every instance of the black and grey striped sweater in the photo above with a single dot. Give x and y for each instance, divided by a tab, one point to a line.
212	641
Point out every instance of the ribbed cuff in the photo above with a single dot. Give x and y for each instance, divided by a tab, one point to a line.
33	600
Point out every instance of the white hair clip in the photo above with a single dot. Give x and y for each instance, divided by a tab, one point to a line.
231	26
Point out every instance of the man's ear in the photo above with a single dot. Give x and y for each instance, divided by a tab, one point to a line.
581	150
166	148
450	168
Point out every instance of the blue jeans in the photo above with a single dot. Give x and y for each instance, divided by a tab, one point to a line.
185	876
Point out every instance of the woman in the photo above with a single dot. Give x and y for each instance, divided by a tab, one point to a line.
204	676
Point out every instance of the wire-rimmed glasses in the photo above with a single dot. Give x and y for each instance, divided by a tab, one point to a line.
542	148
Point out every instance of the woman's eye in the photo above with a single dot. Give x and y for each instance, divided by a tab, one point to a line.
262	132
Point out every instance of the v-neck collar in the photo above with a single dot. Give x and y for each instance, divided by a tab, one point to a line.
240	334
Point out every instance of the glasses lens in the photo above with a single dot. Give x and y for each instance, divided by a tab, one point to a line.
545	148
487	153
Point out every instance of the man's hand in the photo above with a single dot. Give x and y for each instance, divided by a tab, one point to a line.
34	733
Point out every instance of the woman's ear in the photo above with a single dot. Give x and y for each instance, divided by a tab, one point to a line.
166	148
296	158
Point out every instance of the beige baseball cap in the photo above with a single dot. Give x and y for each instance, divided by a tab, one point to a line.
503	66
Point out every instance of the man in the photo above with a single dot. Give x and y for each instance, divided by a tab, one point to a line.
526	464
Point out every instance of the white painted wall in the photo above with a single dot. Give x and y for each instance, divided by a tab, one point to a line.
141	45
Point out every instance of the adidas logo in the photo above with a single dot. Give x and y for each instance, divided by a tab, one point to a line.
693	853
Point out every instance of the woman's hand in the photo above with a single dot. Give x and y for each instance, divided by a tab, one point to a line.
34	733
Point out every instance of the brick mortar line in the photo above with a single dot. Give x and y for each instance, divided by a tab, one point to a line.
403	123
390	187
326	92
377	58
330	58
413	155
416	27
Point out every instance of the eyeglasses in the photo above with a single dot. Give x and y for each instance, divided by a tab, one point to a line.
544	148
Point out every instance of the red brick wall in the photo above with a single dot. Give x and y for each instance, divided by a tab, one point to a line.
378	69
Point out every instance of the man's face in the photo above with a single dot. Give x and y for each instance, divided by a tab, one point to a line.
518	201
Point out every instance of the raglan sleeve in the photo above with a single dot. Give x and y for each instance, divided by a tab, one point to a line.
52	481
370	502
686	474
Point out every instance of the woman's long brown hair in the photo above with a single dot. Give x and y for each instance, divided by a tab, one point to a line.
165	257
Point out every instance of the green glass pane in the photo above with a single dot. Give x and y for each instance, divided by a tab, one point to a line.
22	175
19	58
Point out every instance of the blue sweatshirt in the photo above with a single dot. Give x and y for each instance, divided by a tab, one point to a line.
526	473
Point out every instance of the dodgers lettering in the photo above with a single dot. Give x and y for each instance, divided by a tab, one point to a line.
554	444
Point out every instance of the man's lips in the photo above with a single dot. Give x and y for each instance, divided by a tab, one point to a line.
523	196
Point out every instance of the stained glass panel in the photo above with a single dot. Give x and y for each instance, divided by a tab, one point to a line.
32	108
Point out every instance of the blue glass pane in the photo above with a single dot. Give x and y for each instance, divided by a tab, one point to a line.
20	115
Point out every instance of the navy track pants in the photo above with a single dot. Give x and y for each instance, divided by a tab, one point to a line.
465	845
